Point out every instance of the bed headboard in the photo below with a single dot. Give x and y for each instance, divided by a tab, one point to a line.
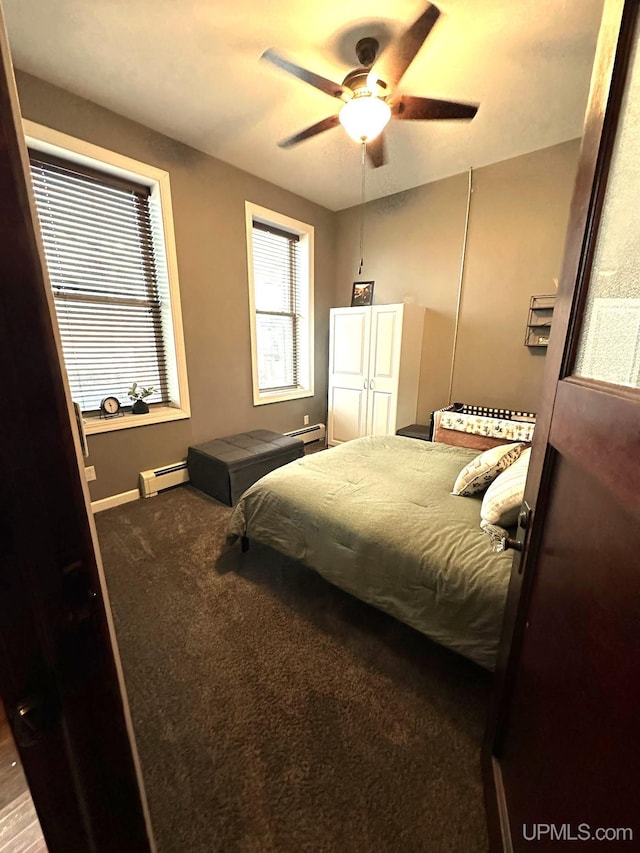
479	427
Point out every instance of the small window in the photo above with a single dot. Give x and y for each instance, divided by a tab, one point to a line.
104	239
280	260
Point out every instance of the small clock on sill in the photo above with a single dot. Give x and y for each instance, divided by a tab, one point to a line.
110	408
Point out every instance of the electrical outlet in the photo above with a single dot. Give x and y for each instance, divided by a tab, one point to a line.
90	473
305	420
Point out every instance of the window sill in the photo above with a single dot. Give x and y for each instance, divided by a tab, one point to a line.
279	397
160	415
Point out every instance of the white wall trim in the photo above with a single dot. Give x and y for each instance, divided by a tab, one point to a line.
157	415
53	142
115	500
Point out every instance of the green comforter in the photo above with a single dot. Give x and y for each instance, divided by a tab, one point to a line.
376	517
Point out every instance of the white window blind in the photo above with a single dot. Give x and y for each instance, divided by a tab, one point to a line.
99	247
277	283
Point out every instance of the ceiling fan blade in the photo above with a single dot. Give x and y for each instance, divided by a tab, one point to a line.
430	109
319	127
400	53
336	90
377	151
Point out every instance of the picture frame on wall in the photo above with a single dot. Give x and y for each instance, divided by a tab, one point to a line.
362	293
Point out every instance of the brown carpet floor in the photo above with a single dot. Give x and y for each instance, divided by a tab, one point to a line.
274	712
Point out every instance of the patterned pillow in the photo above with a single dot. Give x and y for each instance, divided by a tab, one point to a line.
502	501
483	470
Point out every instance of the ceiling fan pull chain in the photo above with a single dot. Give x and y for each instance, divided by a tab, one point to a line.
362	200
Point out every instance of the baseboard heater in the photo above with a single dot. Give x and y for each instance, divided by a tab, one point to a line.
154	481
317	432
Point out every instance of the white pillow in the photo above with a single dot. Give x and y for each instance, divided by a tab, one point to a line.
503	499
483	470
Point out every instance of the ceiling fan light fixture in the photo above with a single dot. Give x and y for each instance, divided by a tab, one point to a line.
370	88
365	117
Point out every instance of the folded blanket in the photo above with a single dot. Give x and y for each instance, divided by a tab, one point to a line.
491	427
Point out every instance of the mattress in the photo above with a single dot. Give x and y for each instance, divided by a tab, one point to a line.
376	517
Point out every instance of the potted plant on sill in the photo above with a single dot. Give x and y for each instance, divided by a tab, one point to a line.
138	396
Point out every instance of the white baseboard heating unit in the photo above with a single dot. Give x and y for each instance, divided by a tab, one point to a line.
316	432
154	481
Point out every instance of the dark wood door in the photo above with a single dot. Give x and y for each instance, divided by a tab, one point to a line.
562	753
58	675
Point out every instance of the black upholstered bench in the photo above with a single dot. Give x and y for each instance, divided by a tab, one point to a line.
225	467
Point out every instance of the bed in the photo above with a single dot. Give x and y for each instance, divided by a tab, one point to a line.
376	517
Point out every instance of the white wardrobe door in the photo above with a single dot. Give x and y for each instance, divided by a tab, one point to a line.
348	373
384	367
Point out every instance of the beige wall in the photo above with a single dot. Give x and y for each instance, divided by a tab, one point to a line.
208	204
413	245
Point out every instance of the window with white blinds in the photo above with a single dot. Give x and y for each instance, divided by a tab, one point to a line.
280	286
276	275
99	245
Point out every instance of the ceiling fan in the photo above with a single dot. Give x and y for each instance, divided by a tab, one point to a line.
370	92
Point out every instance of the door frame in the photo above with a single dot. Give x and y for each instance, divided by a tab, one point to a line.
601	120
60	675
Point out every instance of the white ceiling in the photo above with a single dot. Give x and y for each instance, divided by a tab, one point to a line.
191	69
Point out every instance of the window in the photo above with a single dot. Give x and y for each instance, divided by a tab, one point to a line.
280	261
105	235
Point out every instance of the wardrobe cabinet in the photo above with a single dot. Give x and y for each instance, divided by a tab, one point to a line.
374	369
